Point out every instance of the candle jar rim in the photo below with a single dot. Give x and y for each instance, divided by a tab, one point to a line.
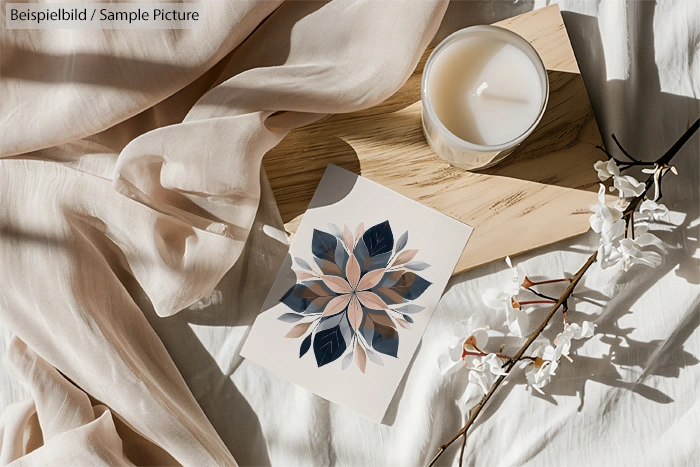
518	41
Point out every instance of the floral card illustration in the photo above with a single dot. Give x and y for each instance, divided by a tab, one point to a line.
350	303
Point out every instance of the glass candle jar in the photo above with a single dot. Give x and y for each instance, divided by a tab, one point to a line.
484	90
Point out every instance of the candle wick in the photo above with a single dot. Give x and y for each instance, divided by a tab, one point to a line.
481	92
501	97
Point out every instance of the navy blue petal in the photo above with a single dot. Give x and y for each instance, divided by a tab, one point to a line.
385	340
329	343
379	239
323	245
305	345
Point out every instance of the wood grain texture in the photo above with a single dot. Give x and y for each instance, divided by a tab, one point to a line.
512	206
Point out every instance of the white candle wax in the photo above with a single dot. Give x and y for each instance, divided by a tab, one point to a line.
484	90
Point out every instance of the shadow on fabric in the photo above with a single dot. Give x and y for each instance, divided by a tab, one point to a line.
647	128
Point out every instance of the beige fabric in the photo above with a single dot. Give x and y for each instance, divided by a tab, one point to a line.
121	176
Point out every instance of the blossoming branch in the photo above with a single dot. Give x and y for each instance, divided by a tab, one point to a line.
625	240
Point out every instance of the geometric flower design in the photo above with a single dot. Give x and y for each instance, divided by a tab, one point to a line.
355	295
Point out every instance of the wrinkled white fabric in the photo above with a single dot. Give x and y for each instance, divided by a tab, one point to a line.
130	179
629	398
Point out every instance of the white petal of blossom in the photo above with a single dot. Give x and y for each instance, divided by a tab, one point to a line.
627	251
562	346
583	331
631	254
603	217
517	277
498	298
628	186
483	379
538	378
620	204
538	346
451	360
517	320
615	232
494	364
653	211
606	169
608	255
495	298
502	299
484	370
644	238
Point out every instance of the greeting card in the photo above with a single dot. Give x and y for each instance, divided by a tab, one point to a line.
349	306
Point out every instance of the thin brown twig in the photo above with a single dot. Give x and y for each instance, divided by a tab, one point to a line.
461	452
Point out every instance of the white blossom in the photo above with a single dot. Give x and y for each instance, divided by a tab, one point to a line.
651	210
517	276
484	370
628	252
628	186
469	337
608	254
620	204
606	169
603	217
517	320
571	331
475	326
539	376
540	371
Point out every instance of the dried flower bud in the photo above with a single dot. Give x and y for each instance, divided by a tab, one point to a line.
527	283
539	361
515	303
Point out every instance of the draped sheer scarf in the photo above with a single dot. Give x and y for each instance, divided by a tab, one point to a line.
130	162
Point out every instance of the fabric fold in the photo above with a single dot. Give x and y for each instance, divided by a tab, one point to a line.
160	203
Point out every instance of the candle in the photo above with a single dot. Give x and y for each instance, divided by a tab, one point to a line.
484	90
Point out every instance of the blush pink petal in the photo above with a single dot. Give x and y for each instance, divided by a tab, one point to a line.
355	313
372	301
352	271
336	284
359	230
337	305
371	279
405	257
348	238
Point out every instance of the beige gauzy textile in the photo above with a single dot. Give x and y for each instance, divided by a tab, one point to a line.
131	162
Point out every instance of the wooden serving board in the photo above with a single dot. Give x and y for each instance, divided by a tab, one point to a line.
539	195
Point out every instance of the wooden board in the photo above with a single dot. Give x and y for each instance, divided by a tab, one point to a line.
539	195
